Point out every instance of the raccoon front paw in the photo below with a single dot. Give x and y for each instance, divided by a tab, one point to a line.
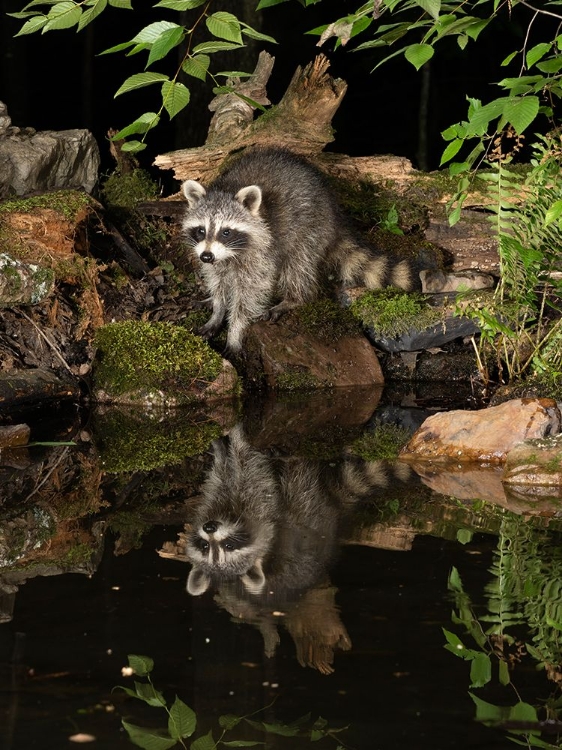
208	331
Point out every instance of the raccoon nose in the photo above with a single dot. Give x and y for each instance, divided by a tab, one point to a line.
210	527
207	257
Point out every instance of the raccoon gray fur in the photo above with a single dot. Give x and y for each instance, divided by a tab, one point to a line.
273	521
266	231
260	519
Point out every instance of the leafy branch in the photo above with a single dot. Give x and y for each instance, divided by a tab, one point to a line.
182	720
227	33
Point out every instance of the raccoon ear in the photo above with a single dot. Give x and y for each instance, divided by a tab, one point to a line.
250	198
193	192
197	582
254	579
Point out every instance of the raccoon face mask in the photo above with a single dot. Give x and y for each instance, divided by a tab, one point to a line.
253	580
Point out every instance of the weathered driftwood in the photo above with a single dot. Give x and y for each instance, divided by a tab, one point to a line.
301	121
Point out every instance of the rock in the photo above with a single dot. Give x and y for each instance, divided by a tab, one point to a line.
435	281
535	462
280	356
49	160
471	240
23	283
14	435
22	389
436	335
484	435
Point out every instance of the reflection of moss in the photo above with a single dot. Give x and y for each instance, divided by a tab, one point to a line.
384	441
393	313
134	355
296	380
128	443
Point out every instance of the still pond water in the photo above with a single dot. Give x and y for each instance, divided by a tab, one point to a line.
410	607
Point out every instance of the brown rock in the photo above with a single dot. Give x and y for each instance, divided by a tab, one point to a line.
287	359
535	462
484	435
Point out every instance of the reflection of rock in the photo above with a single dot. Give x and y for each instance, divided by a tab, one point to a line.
463	481
484	435
398	535
536	462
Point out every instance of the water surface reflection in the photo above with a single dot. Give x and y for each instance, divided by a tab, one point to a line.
298	549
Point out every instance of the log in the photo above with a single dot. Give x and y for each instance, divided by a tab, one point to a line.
301	121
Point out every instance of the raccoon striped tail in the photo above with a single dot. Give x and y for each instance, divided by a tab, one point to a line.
363	266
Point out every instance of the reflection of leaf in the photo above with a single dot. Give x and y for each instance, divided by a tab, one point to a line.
182	721
480	670
206	742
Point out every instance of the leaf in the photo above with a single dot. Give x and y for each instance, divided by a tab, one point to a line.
150	739
536	53
242	743
196	66
229	721
521	112
121	4
62	16
34	24
142	124
454	583
418	54
488	713
89	15
210	47
180	5
182	721
205	742
253	34
175	97
503	673
480	670
138	80
141	665
553	213
432	7
284	730
164	43
452	150
133	146
148	693
269	3
464	536
224	26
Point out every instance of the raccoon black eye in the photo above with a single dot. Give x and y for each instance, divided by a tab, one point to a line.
200	232
225	232
228	546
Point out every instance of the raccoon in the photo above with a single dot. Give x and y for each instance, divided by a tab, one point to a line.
266	232
260	519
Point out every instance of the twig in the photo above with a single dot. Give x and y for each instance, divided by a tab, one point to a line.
57	462
47	340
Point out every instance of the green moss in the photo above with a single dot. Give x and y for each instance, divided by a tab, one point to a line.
66	202
383	442
126	190
326	320
129	443
134	355
78	556
393	313
297	380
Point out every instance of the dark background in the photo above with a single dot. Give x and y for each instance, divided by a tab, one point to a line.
57	80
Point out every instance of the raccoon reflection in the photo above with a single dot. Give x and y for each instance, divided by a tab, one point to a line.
260	517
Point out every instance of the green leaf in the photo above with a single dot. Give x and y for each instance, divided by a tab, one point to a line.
141	665
536	53
269	3
205	742
62	16
253	34
464	536
241	743
224	26
521	112
452	150
432	7
553	213
210	47
141	125
175	97
454	583
284	730
229	721
196	66
552	65
166	41
487	713
153	31
148	693
508	59
418	54
93	12
180	5
503	673
182	721
480	670
34	24
133	146
138	80
126	4
150	739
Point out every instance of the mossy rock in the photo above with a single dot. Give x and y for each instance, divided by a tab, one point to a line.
158	364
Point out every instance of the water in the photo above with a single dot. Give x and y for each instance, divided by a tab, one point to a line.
83	528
